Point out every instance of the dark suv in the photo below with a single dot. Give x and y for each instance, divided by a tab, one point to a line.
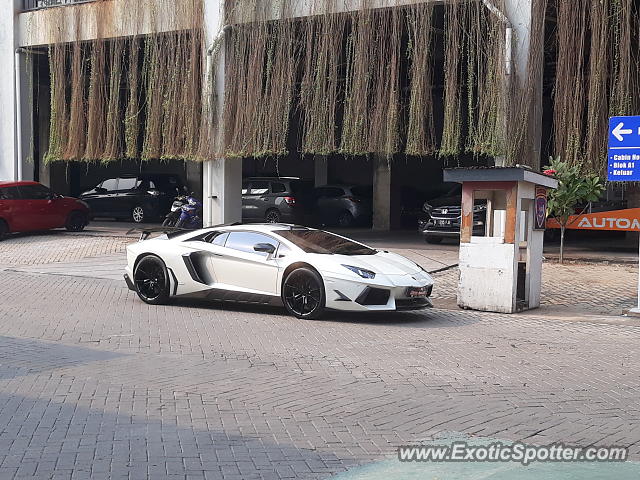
443	216
136	197
274	200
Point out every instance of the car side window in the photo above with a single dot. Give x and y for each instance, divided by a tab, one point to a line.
259	188
128	183
277	187
110	184
334	192
245	241
218	238
34	192
9	193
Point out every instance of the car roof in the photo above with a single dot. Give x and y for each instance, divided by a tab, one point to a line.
7	183
258	227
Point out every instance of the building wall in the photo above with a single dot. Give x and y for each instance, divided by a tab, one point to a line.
102	19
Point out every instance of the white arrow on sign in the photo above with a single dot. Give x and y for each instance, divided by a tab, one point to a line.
619	131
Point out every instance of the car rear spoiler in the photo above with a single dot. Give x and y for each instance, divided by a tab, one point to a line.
171	231
145	232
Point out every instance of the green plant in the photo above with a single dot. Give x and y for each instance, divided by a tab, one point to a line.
574	188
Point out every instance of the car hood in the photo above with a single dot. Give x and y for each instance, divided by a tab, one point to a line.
385	263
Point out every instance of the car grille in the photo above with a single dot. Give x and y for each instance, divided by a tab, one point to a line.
449	213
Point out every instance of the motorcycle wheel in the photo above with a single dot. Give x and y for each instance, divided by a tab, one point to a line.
168	222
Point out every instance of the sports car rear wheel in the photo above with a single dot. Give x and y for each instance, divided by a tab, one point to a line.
152	280
303	294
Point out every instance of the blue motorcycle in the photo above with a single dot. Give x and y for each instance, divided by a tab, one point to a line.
190	215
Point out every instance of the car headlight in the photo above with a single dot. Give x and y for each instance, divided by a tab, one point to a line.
362	272
426	208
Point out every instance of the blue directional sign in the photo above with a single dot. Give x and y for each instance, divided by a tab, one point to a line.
624	149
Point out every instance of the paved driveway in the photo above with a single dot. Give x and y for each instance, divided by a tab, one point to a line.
96	384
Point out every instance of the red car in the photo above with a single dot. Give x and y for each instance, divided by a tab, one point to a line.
30	206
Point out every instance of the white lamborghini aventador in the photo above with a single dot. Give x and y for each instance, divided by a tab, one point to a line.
305	269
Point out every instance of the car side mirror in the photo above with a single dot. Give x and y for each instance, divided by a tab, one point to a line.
264	248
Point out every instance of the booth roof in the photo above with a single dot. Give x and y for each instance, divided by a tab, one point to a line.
498	174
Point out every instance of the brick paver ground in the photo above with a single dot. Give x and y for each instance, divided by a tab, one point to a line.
96	384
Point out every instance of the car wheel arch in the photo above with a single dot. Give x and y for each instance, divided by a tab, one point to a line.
294	266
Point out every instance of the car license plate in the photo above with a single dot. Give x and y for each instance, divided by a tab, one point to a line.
444	223
417	292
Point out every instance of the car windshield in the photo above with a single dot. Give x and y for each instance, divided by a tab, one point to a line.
318	241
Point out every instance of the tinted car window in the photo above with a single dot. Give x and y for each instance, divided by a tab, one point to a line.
110	185
259	188
34	192
166	183
332	192
277	187
128	183
300	186
9	193
245	241
318	241
360	191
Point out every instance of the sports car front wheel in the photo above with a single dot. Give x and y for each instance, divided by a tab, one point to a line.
303	294
152	280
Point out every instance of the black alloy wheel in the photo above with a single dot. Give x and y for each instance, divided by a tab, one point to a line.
273	216
76	222
151	280
303	294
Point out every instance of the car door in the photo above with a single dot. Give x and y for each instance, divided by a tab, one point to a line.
126	197
238	265
41	211
101	198
328	203
256	200
11	208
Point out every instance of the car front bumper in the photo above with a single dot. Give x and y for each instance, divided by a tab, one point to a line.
388	293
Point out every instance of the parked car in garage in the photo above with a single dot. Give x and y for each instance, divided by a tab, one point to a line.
135	197
343	205
30	206
443	215
275	199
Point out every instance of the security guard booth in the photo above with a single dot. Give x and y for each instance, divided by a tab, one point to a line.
502	270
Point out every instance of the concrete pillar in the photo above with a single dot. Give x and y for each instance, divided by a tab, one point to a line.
222	177
321	167
528	29
381	193
8	130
